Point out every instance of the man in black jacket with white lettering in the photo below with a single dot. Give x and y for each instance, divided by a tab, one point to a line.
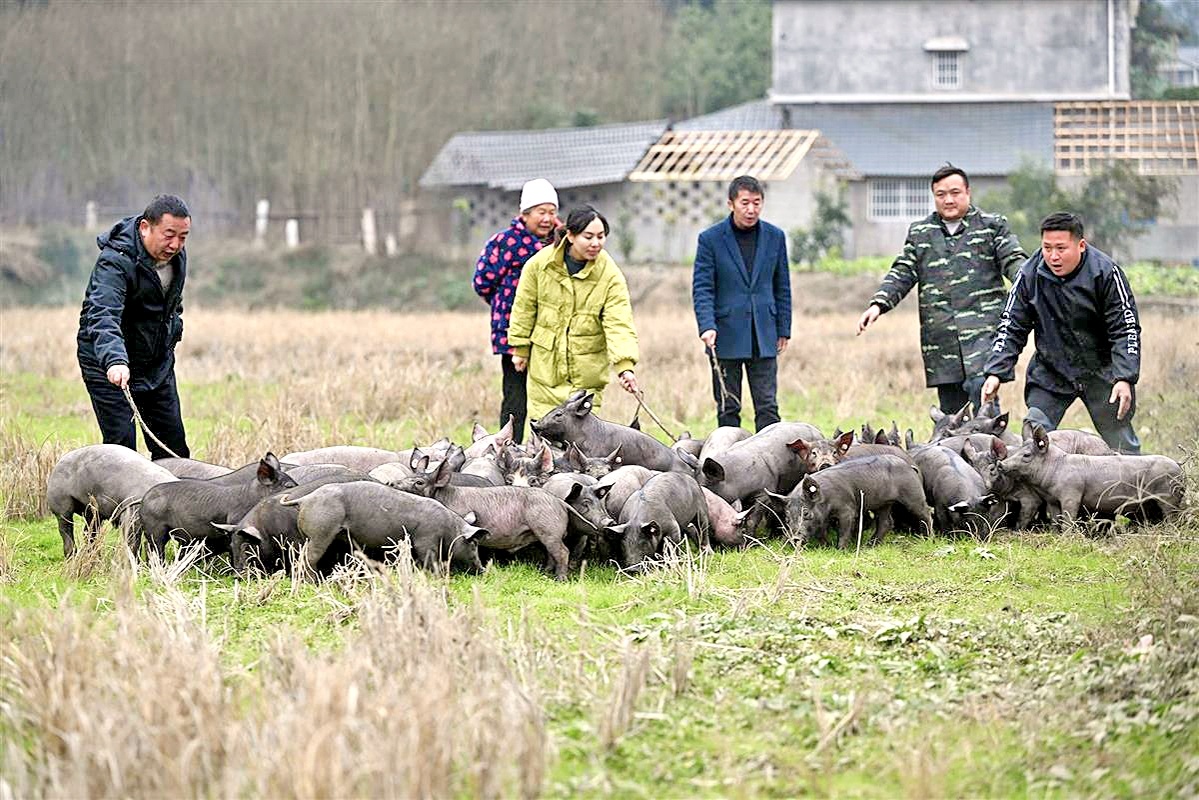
1088	335
130	322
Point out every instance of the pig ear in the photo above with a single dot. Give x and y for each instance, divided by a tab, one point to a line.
800	447
775	495
713	469
223	526
575	457
651	529
837	431
505	433
421	464
962	415
1000	423
252	532
740	516
881	437
477	534
615	531
988	500
601	491
636	423
477	433
936	414
1026	429
441	477
456	457
576	489
546	458
1040	437
269	469
614	457
414	459
470	517
998	447
908	439
583	406
959	507
691	461
844	442
811	490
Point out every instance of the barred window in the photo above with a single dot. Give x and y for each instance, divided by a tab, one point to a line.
947	73
899	198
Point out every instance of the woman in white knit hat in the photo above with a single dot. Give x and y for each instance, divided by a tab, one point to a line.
497	274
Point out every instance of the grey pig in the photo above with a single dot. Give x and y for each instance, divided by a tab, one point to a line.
1143	488
187	508
375	517
573	422
191	468
660	511
514	516
838	495
956	491
620	484
763	461
106	475
363	459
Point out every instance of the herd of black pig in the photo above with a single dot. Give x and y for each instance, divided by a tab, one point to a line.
587	489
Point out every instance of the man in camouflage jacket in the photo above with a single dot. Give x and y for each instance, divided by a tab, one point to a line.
958	256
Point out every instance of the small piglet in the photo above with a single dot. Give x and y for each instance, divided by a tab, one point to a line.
1143	488
574	422
97	482
666	507
840	495
186	508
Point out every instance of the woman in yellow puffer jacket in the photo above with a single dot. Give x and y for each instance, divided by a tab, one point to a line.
572	318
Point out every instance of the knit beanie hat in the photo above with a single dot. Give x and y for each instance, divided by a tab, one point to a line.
536	192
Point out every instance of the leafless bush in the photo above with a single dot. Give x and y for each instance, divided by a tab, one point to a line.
137	702
25	465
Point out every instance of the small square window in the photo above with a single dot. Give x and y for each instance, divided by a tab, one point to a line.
947	73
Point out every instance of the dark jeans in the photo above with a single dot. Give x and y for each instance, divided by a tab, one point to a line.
516	399
952	396
1046	408
159	409
763	386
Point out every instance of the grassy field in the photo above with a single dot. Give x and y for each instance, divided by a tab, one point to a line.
1038	662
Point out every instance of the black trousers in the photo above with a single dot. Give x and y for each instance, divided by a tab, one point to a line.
1047	408
159	408
952	396
763	387
516	399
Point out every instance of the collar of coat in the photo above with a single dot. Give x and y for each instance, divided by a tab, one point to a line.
557	263
971	214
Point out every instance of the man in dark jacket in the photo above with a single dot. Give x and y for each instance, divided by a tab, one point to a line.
497	274
1088	336
130	322
958	256
741	290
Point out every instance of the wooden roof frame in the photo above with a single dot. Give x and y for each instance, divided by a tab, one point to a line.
768	155
1157	137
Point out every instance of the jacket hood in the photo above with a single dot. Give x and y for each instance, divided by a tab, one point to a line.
122	237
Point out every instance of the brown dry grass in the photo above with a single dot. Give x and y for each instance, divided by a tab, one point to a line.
137	702
292	380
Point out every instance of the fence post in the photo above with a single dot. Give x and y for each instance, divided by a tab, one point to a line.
369	239
261	216
390	246
89	216
291	233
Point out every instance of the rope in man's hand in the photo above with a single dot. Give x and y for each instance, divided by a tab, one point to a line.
640	395
137	416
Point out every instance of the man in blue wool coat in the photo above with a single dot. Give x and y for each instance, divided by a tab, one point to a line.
497	274
741	289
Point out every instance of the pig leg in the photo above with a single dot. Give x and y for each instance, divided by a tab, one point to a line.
847	526
556	552
318	543
883	523
66	529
